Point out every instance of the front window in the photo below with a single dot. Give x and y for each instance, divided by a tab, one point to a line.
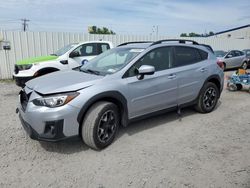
111	61
64	49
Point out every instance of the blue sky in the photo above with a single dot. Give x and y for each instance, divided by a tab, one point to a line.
126	17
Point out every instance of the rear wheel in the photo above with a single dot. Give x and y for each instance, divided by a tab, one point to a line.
100	125
208	98
244	65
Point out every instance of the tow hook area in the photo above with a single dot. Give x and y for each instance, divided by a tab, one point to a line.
17	110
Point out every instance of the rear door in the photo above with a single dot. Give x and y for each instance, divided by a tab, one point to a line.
191	67
239	58
231	60
154	92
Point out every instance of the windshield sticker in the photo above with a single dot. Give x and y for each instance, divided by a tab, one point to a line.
111	70
136	50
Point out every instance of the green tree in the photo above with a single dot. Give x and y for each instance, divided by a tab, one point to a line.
211	33
183	35
99	30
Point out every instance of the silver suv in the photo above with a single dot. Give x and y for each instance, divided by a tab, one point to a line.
131	81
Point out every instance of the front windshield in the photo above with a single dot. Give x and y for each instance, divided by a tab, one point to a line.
220	53
111	61
64	49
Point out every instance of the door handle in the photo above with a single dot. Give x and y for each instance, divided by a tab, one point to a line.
172	76
203	69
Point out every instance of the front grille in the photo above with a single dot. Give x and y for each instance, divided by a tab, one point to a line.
24	99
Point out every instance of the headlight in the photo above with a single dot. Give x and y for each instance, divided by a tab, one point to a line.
24	67
55	100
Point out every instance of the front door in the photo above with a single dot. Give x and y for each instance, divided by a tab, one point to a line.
153	92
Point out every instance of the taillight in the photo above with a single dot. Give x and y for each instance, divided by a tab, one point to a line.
221	64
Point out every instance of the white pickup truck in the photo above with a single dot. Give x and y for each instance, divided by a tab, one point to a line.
69	57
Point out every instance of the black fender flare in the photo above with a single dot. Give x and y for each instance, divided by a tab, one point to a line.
112	96
51	69
217	78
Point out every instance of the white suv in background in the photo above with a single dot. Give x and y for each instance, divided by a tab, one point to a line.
68	57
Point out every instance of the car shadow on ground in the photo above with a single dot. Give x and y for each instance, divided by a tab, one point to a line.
76	145
155	121
65	147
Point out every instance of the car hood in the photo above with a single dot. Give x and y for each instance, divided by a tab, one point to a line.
62	81
35	60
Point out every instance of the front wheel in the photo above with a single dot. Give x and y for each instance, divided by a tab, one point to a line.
208	98
100	125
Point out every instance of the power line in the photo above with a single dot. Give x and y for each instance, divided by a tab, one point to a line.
25	24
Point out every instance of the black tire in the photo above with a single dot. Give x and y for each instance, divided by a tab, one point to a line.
244	65
232	87
101	120
239	87
207	98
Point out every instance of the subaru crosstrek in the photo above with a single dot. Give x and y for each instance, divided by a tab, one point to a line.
131	81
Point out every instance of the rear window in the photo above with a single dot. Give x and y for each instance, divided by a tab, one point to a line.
186	56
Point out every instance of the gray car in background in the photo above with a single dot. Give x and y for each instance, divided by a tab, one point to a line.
247	52
126	83
232	59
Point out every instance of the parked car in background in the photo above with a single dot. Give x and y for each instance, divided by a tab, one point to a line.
232	59
247	52
68	57
131	81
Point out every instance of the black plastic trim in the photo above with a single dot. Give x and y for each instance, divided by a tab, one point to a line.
20	81
183	41
44	137
135	42
107	96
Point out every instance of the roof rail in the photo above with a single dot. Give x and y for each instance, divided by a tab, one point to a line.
136	42
177	40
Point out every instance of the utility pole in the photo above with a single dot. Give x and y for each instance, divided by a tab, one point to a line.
155	29
24	24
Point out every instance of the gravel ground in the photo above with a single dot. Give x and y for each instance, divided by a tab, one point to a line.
201	150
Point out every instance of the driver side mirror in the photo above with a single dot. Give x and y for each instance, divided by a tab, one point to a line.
229	56
145	70
74	54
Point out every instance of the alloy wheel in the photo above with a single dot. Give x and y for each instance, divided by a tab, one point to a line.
210	97
107	126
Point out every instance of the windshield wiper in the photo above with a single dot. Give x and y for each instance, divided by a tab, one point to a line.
91	71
